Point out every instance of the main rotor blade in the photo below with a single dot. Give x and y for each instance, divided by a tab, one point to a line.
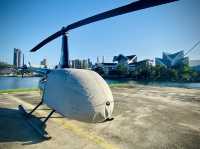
138	5
47	40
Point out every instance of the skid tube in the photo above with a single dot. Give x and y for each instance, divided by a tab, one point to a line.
39	128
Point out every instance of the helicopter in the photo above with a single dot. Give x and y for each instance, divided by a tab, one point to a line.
78	93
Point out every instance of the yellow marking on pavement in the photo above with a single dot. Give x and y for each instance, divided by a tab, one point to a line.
71	126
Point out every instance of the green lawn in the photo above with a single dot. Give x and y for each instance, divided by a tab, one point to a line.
18	90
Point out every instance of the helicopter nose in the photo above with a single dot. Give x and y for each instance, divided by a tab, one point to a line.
108	110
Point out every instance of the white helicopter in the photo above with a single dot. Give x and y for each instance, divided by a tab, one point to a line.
77	93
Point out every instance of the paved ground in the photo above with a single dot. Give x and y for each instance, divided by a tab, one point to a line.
145	117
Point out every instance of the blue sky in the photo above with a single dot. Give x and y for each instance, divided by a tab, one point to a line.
146	33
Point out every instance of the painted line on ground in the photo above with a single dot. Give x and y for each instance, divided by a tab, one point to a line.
71	126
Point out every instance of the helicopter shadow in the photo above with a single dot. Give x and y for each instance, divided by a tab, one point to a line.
14	128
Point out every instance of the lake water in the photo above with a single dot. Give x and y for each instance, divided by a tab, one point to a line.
32	82
18	82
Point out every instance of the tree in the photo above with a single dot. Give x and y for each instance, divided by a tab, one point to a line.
173	74
5	65
185	73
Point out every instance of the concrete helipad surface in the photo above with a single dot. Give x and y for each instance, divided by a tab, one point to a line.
144	117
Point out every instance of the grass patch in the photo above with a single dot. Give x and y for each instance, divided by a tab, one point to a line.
18	90
120	85
9	91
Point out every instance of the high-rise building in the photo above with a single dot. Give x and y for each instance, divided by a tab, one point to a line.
76	64
89	63
23	61
98	60
84	64
17	57
81	64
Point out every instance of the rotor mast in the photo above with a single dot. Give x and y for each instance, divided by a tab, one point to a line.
64	59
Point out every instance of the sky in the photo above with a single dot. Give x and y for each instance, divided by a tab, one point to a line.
146	33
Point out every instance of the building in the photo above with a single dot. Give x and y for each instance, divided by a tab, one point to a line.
127	64
172	60
44	62
81	64
125	59
195	65
111	68
17	57
89	63
97	60
144	63
84	64
76	63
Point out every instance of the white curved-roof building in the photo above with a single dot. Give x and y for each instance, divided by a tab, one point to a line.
172	60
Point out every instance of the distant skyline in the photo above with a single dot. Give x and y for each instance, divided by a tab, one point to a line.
146	33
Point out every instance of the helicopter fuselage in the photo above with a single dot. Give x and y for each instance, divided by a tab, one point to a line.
78	94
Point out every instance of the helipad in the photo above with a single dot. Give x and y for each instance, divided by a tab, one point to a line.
145	117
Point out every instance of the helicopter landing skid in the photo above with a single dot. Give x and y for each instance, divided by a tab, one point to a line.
38	127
